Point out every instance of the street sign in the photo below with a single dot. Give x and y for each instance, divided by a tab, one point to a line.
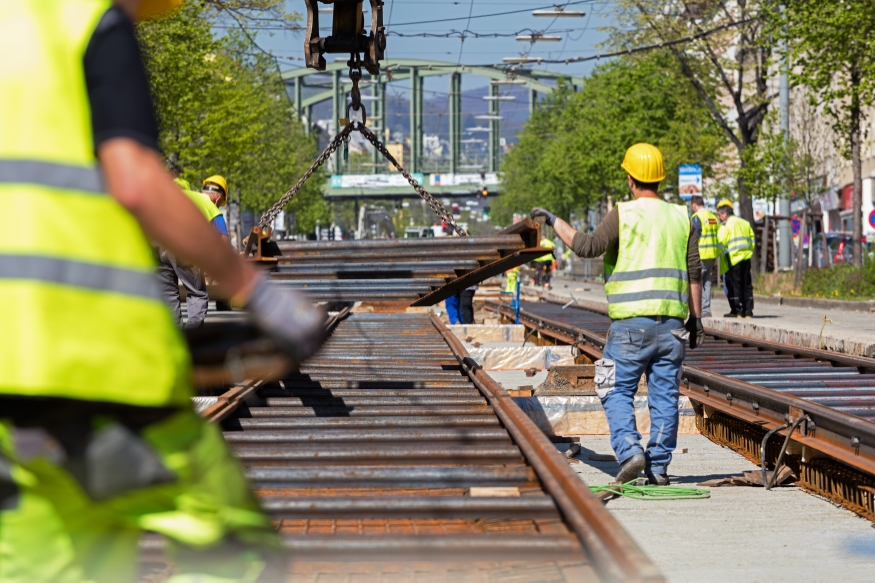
689	181
872	219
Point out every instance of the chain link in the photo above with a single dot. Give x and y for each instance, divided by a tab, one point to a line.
355	74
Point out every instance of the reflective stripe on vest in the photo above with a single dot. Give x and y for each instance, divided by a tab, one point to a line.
81	316
709	248
649	275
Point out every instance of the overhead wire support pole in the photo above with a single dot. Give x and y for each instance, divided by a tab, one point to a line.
455	121
338	103
379	115
784	237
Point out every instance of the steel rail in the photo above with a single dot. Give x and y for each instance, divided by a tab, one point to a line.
389	447
831	433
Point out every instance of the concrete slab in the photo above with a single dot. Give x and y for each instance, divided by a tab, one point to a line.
846	332
739	534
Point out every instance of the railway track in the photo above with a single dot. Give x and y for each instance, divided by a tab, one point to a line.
742	388
390	456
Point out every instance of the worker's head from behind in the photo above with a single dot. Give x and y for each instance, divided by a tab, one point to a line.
646	169
724	209
216	188
697	203
138	10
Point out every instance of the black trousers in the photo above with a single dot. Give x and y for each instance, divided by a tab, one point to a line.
466	306
740	284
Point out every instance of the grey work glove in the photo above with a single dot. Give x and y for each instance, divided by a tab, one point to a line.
539	212
696	330
289	318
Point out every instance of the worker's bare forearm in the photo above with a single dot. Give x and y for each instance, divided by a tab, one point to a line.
564	231
695	299
136	178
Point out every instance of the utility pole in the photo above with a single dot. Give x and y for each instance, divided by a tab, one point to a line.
784	235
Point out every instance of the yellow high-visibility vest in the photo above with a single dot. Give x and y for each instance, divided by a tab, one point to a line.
81	315
737	238
648	276
709	247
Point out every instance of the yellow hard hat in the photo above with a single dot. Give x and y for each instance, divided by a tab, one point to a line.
724	202
644	163
218	181
152	9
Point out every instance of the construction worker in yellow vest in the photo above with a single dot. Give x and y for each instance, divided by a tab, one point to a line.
653	285
544	264
94	376
705	225
511	278
738	242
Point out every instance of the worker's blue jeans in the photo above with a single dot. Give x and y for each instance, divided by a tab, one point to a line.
454	308
644	345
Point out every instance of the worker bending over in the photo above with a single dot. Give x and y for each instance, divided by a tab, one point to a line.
738	241
653	282
173	271
705	226
544	263
95	380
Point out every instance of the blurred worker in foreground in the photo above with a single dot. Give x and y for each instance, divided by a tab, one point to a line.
705	226
653	282
173	271
544	264
738	241
98	439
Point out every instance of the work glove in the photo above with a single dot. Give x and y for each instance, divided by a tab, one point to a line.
696	330
539	212
288	318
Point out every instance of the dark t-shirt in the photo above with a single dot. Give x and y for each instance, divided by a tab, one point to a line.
118	88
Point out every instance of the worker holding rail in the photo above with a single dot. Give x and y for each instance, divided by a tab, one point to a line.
705	225
98	439
653	284
738	241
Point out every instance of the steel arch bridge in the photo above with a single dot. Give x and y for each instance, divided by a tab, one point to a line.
416	70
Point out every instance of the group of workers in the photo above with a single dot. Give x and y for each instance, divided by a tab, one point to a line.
98	438
658	264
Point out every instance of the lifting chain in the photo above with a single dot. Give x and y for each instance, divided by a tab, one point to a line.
355	74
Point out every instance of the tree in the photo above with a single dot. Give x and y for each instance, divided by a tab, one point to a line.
831	51
569	153
223	109
727	64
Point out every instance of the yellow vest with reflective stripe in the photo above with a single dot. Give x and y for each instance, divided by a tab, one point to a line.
737	238
81	315
547	244
709	248
649	275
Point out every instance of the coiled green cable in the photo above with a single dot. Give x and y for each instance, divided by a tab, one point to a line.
637	492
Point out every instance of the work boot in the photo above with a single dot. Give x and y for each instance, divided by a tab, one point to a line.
630	469
658	479
730	315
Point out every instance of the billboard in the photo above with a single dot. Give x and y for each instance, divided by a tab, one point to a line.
689	181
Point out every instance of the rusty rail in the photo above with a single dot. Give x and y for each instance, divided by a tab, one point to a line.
391	449
741	388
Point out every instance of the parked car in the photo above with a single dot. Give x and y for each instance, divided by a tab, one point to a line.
836	249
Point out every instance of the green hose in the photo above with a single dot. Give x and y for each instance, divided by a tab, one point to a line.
635	492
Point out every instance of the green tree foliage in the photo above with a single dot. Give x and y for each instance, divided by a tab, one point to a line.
223	109
569	153
831	50
726	63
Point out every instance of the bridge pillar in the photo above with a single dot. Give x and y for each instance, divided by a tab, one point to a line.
378	114
533	101
494	129
455	121
338	103
299	82
416	117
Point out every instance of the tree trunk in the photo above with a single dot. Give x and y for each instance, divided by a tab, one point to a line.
856	163
746	209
